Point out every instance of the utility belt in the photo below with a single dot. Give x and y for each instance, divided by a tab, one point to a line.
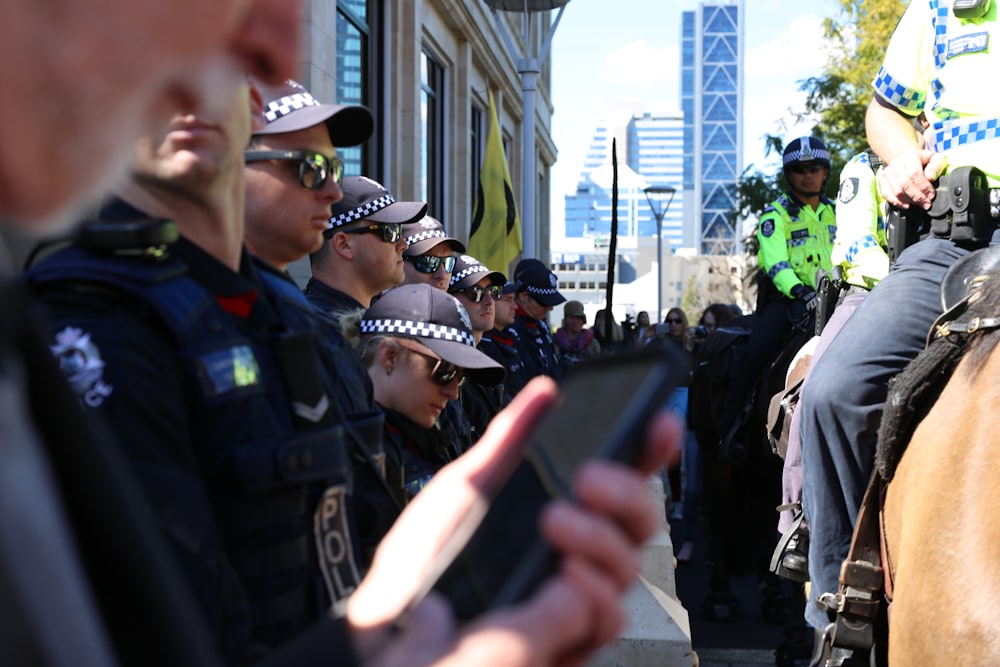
965	211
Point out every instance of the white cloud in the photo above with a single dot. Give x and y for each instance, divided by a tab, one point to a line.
799	51
639	64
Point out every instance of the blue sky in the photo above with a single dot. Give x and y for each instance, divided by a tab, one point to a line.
610	60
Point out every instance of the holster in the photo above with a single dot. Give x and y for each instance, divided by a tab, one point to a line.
904	228
961	209
829	288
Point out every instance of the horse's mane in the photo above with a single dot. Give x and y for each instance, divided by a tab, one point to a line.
913	392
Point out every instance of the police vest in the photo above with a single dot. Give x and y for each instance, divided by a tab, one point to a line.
277	488
796	241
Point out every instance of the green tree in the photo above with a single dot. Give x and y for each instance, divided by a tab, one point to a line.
836	100
838	97
692	302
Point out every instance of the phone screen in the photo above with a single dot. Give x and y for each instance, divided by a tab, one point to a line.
604	412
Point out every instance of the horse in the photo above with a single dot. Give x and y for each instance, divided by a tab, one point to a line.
935	494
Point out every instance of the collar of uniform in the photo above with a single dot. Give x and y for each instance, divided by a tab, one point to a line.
329	298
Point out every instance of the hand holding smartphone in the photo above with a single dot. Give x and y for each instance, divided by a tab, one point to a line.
605	410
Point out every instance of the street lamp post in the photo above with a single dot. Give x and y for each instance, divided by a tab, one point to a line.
528	67
659	198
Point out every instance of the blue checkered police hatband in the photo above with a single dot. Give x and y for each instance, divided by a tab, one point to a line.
539	281
289	107
437	320
805	149
422	235
367	199
469	271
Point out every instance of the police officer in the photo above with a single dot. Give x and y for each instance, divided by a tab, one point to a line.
217	376
796	234
534	303
500	342
935	62
430	253
861	251
479	290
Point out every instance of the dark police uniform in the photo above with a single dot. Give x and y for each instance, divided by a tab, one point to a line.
217	382
535	348
502	347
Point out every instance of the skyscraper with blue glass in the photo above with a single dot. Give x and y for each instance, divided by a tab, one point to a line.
712	102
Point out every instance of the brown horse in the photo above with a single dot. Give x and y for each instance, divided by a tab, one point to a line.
939	518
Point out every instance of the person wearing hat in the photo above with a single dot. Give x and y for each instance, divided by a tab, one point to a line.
361	254
573	342
91	535
796	234
478	289
418	345
534	303
293	172
500	342
430	253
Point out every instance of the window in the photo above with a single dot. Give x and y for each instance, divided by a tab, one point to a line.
432	134
358	73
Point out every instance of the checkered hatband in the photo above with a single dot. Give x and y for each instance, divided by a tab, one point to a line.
283	106
417	329
468	271
361	212
424	235
542	290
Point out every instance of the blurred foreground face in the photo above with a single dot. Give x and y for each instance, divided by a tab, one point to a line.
90	77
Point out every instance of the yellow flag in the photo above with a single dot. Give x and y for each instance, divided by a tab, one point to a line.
495	237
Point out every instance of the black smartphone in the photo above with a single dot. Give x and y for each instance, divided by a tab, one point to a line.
605	410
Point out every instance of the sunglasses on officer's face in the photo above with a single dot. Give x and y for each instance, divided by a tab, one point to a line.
476	293
430	263
389	232
443	372
314	169
806	169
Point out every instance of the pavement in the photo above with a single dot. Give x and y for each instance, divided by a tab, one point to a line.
749	641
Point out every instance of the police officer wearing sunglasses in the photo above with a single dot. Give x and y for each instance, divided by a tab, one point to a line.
419	347
430	253
479	289
796	235
361	254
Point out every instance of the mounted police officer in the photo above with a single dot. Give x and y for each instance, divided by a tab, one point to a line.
796	234
937	62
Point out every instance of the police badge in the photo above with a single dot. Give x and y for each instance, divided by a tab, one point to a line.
81	364
848	190
767	228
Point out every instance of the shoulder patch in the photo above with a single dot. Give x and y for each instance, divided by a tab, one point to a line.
81	364
848	190
767	228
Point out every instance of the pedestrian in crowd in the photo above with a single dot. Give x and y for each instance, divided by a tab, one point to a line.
111	555
842	403
796	234
361	250
615	343
534	303
500	343
644	331
479	290
573	342
418	345
430	253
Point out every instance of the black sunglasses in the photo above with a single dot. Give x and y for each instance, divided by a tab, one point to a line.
390	232
477	292
430	263
674	320
806	168
314	168
444	372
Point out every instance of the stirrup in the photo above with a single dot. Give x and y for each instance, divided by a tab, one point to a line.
790	559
